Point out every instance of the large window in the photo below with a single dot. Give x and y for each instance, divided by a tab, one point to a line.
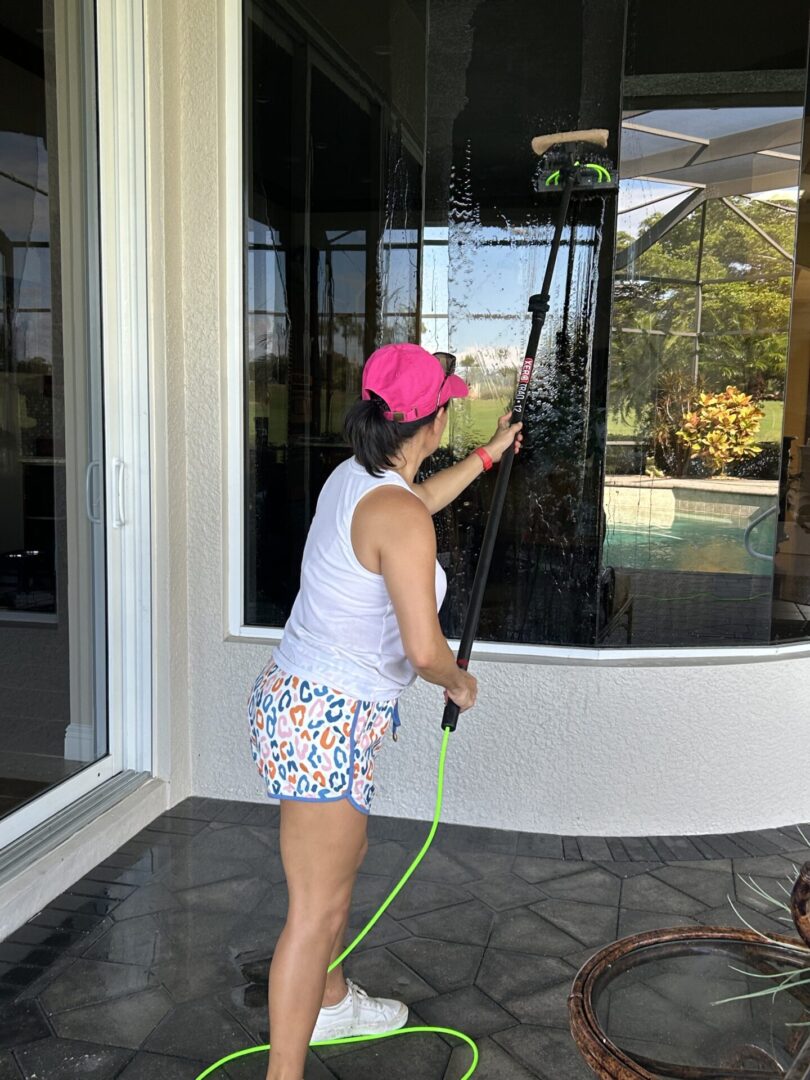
389	196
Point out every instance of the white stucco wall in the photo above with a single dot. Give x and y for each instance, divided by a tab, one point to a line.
558	748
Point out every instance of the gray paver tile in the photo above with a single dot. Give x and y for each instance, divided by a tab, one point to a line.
383	933
506	975
593	847
705	886
65	1059
772	866
535	870
237	895
444	965
146	901
484	864
124	1021
648	893
21	1022
383	974
540	845
547	1008
766	924
469	1010
494	1063
89	981
476	839
469	924
388	858
639	922
521	930
632	869
198	1030
422	896
402	1058
192	977
639	849
588	924
197	807
571	848
682	847
160	1067
551	1053
8	1067
505	891
594	886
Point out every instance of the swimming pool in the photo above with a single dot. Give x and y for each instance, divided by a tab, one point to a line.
694	542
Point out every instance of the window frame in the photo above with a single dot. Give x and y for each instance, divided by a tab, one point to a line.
232	211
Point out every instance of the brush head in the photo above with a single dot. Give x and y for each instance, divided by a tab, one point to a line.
567	154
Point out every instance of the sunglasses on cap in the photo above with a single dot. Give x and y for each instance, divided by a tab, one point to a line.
448	362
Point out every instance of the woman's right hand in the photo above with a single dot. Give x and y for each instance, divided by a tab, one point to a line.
465	693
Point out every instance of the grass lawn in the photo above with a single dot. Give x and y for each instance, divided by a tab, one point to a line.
770	429
483	415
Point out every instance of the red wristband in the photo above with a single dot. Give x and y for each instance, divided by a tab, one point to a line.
485	458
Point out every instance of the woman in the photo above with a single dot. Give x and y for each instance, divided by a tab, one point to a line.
364	624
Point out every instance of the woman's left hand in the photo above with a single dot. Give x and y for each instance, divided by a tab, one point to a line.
503	438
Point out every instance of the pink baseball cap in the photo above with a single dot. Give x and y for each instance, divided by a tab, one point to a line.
413	382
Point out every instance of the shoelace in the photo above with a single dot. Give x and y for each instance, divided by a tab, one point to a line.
358	992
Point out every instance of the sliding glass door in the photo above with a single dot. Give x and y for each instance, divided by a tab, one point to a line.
54	737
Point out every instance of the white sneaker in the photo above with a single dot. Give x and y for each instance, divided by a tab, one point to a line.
359	1014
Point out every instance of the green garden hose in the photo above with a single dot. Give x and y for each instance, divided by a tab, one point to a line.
371	923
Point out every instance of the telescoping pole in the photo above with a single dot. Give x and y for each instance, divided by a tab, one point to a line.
538	306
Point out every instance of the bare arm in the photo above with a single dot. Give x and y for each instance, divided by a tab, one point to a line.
440	489
399	529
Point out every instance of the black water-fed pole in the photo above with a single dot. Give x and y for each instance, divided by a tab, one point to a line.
568	175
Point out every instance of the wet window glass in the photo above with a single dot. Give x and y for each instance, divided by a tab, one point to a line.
389	196
53	619
698	456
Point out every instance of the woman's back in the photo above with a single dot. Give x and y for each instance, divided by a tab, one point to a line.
343	630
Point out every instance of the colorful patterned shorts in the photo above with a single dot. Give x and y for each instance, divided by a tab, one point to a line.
312	743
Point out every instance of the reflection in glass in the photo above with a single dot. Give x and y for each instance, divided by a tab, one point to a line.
52	636
702	302
393	200
333	246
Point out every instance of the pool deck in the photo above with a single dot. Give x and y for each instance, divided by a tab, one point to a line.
154	964
730	485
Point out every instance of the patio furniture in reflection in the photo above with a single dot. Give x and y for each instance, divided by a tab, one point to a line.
27	580
616	595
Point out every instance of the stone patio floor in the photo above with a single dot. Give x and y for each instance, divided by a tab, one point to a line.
154	965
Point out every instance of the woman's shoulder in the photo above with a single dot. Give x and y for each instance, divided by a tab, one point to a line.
393	506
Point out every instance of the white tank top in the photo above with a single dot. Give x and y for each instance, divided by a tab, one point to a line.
342	630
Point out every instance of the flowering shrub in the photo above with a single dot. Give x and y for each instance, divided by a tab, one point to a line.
722	428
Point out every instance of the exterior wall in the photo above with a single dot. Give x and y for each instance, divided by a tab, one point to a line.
558	747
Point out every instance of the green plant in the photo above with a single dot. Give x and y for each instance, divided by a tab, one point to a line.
722	428
676	394
778	981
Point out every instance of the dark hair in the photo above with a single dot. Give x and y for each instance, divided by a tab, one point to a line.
374	439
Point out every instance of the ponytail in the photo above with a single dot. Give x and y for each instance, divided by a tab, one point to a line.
375	440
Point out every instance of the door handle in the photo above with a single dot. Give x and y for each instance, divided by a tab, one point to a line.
118	520
95	519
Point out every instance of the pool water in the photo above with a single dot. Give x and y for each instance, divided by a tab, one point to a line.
697	543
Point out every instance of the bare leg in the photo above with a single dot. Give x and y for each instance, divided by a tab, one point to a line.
322	847
336	989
